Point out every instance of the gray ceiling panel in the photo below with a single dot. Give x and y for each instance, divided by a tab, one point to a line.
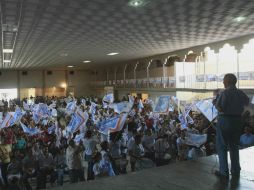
66	32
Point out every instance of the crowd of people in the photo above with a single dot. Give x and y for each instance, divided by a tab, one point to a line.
51	153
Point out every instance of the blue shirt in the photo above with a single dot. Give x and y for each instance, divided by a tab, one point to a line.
232	101
247	140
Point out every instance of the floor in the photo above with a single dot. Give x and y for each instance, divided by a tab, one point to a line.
192	175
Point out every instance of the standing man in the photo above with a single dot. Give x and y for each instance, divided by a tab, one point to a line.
230	104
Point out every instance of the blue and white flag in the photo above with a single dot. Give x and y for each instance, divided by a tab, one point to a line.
7	120
162	104
78	138
53	112
207	108
52	105
175	100
92	109
122	107
42	110
77	120
16	116
131	99
83	126
140	105
195	139
183	122
30	131
109	98
189	119
58	133
1	117
71	106
51	129
132	113
112	124
36	118
26	106
187	109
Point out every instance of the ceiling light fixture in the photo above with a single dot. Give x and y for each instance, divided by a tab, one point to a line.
87	61
7	50
113	53
137	3
6	61
63	54
239	19
70	66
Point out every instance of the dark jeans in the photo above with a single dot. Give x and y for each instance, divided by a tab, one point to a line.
42	177
161	162
25	178
76	174
4	167
90	174
150	155
227	138
60	176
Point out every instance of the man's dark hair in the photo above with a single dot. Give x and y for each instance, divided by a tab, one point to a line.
230	78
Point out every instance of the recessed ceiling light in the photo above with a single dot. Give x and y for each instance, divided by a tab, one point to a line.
7	61
239	19
87	61
63	54
7	50
137	3
113	53
70	66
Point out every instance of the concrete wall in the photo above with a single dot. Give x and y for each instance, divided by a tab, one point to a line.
39	79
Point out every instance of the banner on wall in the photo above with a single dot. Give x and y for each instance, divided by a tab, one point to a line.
200	78
182	78
211	78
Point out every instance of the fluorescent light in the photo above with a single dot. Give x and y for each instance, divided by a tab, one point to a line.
7	50
7	61
87	61
113	53
239	19
63	54
70	66
136	3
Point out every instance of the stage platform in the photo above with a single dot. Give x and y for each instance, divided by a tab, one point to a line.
193	175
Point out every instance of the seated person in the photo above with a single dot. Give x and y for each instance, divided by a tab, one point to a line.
247	139
102	166
161	151
60	161
14	171
29	168
46	167
136	151
182	148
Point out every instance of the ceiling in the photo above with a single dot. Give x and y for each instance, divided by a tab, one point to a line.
58	33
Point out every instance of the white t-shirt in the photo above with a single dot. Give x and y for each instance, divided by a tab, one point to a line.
70	160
